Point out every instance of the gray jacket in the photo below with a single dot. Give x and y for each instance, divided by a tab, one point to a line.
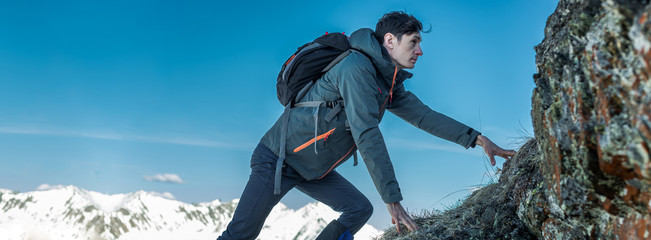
363	80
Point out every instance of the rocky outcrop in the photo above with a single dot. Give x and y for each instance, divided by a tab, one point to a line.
592	119
587	174
491	212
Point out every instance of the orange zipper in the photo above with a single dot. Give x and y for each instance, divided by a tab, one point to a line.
333	166
393	83
308	143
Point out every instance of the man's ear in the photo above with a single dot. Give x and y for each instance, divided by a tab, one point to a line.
389	40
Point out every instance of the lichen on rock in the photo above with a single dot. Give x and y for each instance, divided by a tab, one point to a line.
591	111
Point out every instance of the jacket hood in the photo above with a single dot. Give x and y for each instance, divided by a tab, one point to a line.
364	40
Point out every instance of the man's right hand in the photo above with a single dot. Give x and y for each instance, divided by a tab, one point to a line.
399	215
493	150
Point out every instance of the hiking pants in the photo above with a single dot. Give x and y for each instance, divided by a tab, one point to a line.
258	197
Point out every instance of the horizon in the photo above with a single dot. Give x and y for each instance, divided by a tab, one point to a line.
116	97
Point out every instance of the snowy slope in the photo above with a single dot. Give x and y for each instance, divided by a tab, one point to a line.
72	213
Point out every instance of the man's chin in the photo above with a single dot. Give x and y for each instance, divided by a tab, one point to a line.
409	65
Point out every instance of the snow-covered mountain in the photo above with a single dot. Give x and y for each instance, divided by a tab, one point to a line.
73	213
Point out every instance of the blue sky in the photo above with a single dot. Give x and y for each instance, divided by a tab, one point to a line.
107	95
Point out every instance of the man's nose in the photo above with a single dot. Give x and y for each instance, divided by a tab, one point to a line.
418	51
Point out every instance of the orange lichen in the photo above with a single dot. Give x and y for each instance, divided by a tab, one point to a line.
609	207
642	19
615	167
636	197
602	99
633	228
552	170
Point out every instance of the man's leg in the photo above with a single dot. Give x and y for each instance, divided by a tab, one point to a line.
335	191
258	197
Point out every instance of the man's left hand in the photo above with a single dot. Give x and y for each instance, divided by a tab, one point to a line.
399	215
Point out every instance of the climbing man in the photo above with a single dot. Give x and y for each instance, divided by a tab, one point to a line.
335	117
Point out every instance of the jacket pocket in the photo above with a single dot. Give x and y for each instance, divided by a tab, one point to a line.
314	156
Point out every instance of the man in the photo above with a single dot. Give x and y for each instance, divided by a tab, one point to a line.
366	82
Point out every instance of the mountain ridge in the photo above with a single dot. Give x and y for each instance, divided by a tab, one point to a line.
69	212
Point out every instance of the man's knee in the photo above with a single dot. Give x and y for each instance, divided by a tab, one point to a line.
363	210
356	215
367	210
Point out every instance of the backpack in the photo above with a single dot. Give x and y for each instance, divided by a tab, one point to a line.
308	64
298	74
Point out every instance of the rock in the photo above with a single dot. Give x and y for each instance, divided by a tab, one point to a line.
592	119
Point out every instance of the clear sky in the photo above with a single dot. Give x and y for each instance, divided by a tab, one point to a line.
111	95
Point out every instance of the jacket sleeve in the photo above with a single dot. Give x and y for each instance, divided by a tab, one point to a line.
357	86
408	107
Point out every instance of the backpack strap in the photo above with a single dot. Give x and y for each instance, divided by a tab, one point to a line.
338	106
336	60
347	124
355	158
302	93
283	142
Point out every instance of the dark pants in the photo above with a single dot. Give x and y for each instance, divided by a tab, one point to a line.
258	199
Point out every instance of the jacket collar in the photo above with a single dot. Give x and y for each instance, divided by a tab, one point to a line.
364	40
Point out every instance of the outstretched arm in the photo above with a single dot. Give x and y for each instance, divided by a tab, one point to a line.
408	107
492	149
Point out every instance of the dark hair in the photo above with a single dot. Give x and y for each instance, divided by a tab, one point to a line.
397	23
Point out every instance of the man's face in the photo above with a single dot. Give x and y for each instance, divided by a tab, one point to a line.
405	52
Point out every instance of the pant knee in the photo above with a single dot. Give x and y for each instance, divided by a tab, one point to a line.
361	211
366	210
356	216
